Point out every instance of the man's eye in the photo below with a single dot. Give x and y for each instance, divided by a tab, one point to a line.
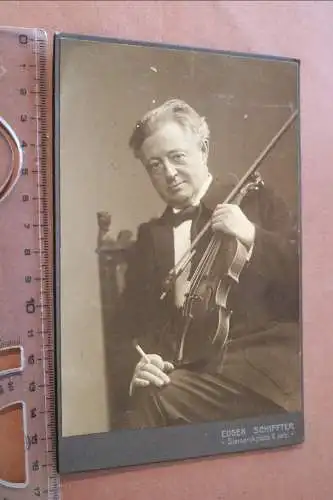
178	156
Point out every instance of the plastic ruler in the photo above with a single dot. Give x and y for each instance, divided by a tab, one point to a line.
26	297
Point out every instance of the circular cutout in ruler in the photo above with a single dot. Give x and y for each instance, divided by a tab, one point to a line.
26	296
10	165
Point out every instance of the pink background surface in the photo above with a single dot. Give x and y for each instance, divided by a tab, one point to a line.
294	29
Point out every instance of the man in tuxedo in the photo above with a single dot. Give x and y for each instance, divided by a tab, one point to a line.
193	378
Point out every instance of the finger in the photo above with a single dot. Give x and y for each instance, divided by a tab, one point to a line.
222	226
226	217
155	371
156	360
223	213
221	217
141	382
225	206
221	221
152	378
168	367
150	360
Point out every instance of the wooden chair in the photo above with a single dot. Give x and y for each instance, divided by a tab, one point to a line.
112	255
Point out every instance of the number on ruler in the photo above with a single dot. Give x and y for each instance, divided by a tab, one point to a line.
23	39
37	491
32	440
35	466
31	359
32	387
30	306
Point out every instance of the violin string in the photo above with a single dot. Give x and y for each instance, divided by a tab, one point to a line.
202	264
214	252
205	263
194	281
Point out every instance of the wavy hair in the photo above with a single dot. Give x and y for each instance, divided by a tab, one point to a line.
173	110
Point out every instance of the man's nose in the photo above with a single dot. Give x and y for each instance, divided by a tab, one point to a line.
169	169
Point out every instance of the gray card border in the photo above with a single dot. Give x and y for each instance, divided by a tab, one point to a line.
127	448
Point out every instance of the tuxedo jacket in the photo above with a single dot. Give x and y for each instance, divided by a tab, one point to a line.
264	331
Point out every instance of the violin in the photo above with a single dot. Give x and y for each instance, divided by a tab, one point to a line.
219	269
217	273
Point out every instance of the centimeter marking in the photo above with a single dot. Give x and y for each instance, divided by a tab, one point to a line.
26	233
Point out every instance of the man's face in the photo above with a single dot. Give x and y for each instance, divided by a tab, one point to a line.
176	163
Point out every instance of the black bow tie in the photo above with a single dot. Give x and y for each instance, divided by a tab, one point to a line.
188	213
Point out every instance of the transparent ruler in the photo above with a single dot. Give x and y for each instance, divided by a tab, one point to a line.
27	382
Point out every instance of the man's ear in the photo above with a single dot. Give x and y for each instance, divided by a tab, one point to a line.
205	148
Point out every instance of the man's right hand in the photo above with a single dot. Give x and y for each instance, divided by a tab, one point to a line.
150	372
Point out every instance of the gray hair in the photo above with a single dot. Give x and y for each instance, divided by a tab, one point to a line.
173	109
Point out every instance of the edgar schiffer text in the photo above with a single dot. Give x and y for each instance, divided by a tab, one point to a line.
242	435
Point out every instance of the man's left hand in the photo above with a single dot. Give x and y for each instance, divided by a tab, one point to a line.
230	219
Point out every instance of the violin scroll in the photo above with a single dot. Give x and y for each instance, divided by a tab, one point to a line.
255	182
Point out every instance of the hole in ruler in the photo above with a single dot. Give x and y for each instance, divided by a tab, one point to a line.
12	446
5	162
11	360
10	166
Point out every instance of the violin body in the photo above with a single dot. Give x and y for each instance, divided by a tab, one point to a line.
206	305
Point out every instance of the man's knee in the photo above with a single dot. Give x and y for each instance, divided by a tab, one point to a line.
146	409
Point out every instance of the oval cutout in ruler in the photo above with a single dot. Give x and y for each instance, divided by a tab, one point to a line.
26	294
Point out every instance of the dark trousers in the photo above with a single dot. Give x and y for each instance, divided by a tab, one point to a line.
261	375
193	397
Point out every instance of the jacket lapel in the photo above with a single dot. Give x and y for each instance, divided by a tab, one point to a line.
162	233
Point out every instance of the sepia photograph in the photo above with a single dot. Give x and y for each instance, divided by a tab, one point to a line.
178	252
